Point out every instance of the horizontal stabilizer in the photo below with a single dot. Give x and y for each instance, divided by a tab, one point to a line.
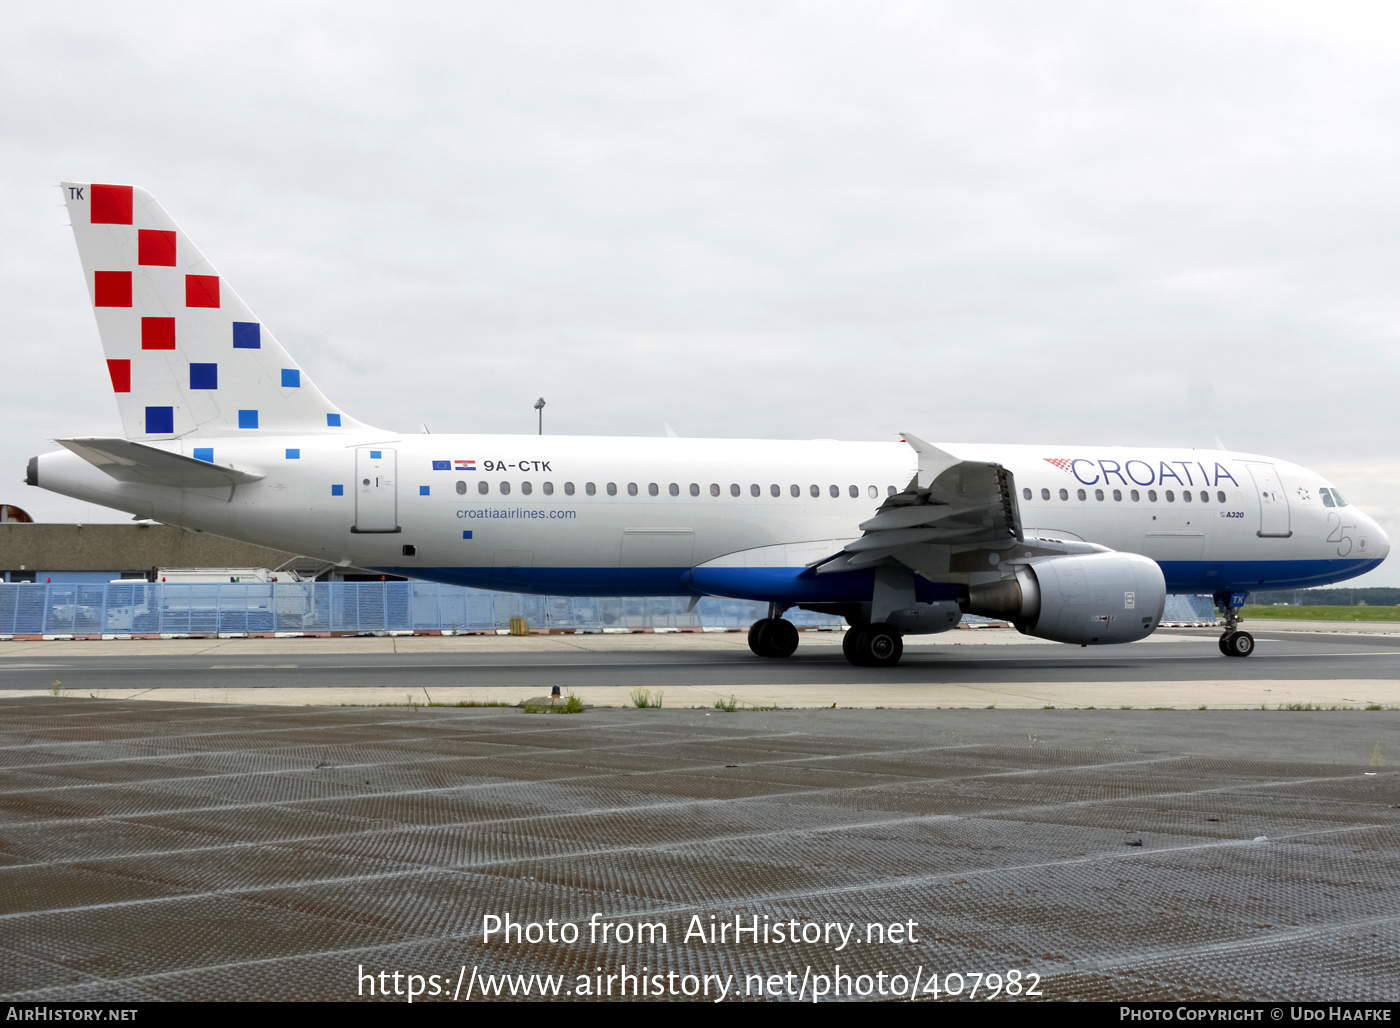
129	461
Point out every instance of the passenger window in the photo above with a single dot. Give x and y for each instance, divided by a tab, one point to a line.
1152	496
1134	496
653	490
461	488
1118	496
1169	496
591	489
714	488
505	488
1220	496
694	489
1082	495
612	488
890	490
734	489
675	489
1098	495
1186	496
796	491
1326	495
776	489
482	487
631	488
854	491
568	489
1045	494
548	488
525	488
1025	494
835	491
874	493
1064	494
755	490
1205	496
816	491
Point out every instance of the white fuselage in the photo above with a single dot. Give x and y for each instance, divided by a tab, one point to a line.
610	516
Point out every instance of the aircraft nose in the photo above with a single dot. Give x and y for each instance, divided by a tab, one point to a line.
1382	541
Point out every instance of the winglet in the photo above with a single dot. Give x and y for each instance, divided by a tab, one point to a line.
932	461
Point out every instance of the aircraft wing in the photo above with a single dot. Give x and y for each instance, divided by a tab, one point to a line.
129	461
950	503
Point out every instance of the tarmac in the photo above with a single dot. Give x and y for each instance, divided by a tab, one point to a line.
1298	664
158	849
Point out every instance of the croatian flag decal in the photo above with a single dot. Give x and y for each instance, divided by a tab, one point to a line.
442	465
466	465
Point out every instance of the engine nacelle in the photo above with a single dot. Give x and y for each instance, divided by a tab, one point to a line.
1088	599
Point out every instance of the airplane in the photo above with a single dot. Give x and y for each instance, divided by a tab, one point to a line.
225	433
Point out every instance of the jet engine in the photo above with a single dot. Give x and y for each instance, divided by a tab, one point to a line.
1090	598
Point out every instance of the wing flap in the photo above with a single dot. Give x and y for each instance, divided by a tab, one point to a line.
951	503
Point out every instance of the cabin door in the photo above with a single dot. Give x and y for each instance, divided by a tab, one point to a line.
376	494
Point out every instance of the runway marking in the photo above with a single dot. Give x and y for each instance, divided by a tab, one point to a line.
251	667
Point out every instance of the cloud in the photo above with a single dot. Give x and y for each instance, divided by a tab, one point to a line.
1135	224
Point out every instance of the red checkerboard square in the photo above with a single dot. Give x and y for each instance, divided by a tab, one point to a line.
110	205
157	333
201	290
111	288
121	375
155	247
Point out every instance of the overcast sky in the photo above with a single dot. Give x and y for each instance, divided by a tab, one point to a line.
1100	223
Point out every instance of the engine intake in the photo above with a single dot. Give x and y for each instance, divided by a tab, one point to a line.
1088	599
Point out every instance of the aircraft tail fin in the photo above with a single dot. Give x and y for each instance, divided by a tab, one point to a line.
185	354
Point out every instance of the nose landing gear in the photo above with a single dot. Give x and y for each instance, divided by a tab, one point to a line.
1237	644
1234	643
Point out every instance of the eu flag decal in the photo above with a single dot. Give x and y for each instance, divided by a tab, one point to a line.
442	465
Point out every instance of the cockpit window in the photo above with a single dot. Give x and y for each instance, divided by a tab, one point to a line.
1326	495
1337	495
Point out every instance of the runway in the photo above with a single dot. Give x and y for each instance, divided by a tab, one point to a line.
1179	667
172	851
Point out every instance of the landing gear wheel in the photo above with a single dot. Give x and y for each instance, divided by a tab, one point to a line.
758	636
848	644
1237	644
782	638
773	637
876	645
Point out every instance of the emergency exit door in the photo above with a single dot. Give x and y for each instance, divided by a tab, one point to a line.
376	495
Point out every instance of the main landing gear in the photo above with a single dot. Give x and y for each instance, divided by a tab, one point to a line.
773	637
1234	643
877	645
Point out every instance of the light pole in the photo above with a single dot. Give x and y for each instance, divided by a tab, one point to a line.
539	406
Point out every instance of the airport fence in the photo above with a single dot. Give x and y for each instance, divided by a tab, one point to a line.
146	608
